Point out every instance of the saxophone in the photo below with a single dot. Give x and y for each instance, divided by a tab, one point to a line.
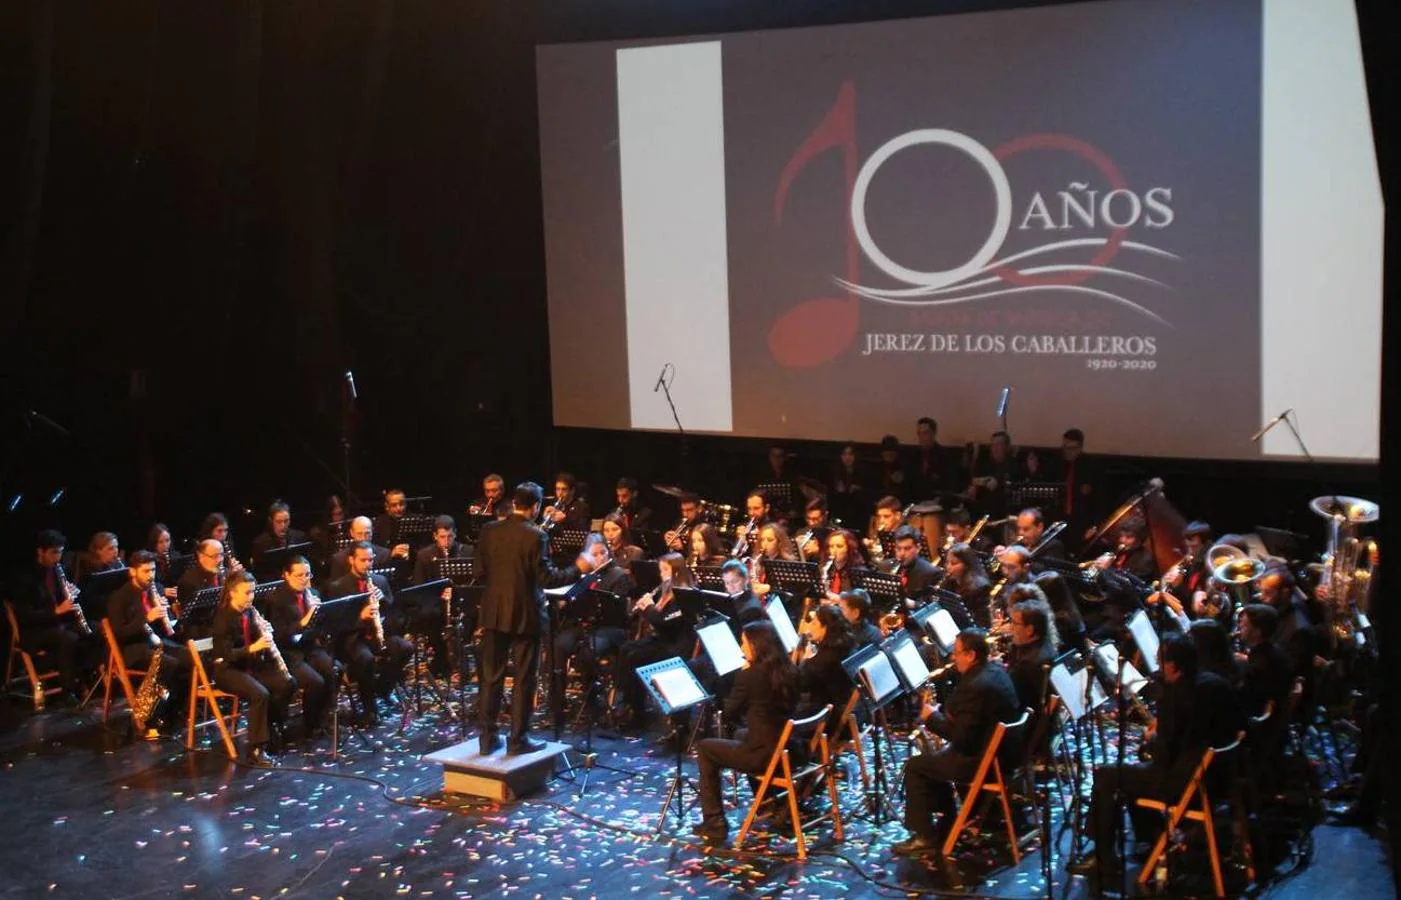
265	630
71	592
151	692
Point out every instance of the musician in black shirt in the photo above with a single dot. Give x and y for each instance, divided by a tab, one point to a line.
568	510
375	667
44	610
604	639
918	576
856	608
493	501
820	675
634	515
746	605
386	524
1031	529
984	697
290	608
663	632
363	530
764	696
244	664
1266	682
619	538
141	623
279	533
968	578
992	474
428	619
1034	643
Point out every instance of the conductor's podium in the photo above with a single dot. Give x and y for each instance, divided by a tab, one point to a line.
496	776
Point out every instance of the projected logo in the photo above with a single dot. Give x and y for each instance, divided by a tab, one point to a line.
1072	241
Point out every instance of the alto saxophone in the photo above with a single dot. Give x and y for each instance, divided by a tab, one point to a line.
151	692
71	592
265	630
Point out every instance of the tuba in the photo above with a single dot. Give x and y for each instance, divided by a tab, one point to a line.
1236	572
1348	560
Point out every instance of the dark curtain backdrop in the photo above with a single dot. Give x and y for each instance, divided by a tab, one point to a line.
213	209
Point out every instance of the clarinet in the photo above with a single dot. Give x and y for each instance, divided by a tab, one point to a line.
159	601
71	592
265	630
377	621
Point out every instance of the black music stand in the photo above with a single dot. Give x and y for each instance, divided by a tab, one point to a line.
271	563
331	619
1072	679
651	542
559	600
472	526
779	495
199	612
414	529
1045	495
593	610
96	588
567	542
875	674
675	688
709	577
414	599
176	566
794	578
939	625
885	590
646	574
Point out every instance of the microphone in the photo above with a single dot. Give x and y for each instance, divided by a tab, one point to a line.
1270	424
350	380
661	379
1002	402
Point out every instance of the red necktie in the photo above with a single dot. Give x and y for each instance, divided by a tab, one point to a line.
246	640
363	587
904	579
301	602
837	583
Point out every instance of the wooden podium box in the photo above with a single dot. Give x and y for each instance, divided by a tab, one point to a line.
496	776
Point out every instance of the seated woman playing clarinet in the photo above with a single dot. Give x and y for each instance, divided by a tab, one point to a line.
663	632
764	696
706	549
247	663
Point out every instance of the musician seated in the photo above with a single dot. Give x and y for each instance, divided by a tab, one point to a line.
918	576
1214	651
1016	565
705	548
206	572
691	518
386	524
44	609
856	609
141	624
663	633
764	697
1070	625
244	664
279	533
158	542
968	579
992	474
1031	530
1296	634
493	501
427	620
888	518
215	527
746	605
104	554
773	544
569	510
818	528
1131	555
362	650
820	674
634	515
291	607
1197	710
604	640
984	697
361	529
1033	647
840	558
617	534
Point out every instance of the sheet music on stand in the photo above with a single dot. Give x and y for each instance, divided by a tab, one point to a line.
708	577
720	645
1070	678
778	615
1131	681
872	671
567	541
797	579
460	570
672	684
1046	495
1141	627
905	660
939	624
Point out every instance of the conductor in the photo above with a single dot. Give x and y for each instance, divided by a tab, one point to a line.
513	562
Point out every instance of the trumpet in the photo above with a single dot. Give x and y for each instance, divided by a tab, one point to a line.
265	630
71	592
678	535
744	541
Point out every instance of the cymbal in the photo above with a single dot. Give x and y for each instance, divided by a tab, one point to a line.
1353	509
670	490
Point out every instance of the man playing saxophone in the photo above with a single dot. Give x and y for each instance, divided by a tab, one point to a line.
141	623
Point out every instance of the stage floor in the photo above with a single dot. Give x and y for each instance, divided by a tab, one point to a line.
90	813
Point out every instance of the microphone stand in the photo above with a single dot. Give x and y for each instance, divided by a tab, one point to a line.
665	385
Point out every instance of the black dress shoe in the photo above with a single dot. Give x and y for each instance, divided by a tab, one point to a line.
525	745
489	742
917	845
258	758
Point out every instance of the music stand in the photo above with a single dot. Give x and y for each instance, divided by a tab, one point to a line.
1072	679
271	563
1283	544
95	589
650	541
779	494
884	588
472	526
708	577
1141	627
782	623
200	610
675	688
797	579
336	617
176	565
1041	494
718	641
696	602
414	529
567	542
460	570
646	574
409	601
938	623
874	673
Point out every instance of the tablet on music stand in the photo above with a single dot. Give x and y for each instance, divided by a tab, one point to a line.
908	664
673	685
720	644
1141	627
778	615
1070	679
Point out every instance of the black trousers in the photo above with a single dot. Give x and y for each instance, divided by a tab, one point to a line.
374	673
1138	780
61	645
929	788
633	656
267	692
315	673
714	756
569	642
493	652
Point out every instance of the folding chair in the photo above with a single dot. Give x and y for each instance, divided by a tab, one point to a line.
202	689
792	781
38	691
847	736
995	785
1184	808
116	671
